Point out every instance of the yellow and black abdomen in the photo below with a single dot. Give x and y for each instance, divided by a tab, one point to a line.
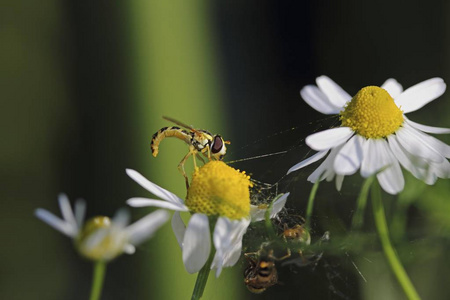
171	131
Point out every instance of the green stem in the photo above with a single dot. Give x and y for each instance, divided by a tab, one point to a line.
202	278
309	208
97	280
203	275
391	256
358	217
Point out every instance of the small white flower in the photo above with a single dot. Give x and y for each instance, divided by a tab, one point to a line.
195	240
375	135
101	238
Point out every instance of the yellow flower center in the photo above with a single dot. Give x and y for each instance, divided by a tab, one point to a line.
219	190
96	246
372	113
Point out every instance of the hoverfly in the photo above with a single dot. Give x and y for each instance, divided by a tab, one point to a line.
261	272
199	141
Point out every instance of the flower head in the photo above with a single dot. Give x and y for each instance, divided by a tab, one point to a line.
375	135
102	238
217	192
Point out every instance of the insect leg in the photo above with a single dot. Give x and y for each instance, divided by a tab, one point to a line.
181	166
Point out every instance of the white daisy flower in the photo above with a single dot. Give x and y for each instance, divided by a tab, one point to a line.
216	190
375	135
101	238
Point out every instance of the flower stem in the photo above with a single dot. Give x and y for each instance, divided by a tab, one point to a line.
309	208
203	275
202	278
358	217
97	279
391	256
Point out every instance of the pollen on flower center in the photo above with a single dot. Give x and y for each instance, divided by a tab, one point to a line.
219	190
372	113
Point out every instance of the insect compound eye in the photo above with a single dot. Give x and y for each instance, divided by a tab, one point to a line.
217	144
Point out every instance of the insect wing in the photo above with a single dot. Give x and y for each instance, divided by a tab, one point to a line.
178	123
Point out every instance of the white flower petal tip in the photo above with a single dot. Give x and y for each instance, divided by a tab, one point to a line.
330	138
315	98
337	96
258	214
228	242
196	243
129	249
420	94
153	188
55	222
147	226
308	161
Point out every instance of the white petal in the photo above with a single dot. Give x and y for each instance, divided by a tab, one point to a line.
319	155
80	211
325	170
442	170
143	202
129	249
349	158
66	210
227	241
392	87
415	165
278	205
339	181
179	229
147	226
391	179
153	188
258	214
439	146
56	222
329	138
373	157
428	129
337	96
318	100
196	243
420	94
121	218
412	141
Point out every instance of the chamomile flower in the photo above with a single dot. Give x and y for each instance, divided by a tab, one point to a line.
375	135
216	191
100	238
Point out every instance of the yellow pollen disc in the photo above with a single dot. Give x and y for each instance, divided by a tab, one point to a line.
372	113
219	190
106	246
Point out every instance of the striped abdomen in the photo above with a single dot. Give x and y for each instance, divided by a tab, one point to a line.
164	132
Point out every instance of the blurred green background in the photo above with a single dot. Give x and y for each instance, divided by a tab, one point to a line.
84	86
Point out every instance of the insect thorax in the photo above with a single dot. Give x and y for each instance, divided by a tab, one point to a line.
201	139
